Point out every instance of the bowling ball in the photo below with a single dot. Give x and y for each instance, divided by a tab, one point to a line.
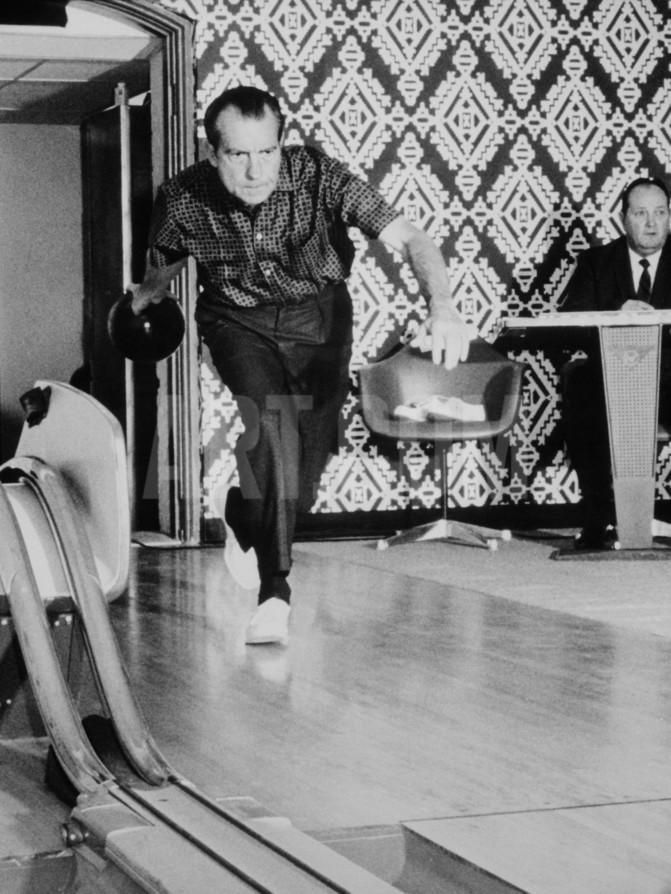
149	336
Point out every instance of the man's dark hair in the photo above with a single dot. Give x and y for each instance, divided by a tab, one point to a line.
642	181
251	102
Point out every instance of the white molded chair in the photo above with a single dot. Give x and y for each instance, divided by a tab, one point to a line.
485	380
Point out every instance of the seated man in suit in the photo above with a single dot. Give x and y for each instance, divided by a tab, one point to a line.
632	272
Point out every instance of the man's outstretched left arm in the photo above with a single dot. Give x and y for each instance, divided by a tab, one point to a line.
444	332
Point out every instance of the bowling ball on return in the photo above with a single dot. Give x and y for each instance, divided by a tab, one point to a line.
152	335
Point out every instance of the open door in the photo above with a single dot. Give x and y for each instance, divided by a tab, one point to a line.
167	59
173	139
117	200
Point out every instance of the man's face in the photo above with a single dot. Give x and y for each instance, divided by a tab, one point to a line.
248	157
646	220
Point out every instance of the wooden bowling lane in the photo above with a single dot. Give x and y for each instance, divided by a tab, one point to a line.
603	849
491	728
397	698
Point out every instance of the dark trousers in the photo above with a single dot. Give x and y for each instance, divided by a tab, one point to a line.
287	368
586	435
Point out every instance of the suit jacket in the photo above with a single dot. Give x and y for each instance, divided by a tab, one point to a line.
602	279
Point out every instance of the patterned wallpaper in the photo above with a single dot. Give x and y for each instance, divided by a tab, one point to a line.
506	129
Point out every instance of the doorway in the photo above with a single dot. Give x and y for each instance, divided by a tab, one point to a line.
116	209
167	63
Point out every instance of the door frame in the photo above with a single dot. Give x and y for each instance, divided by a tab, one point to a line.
178	450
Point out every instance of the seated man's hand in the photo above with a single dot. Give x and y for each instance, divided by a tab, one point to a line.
635	304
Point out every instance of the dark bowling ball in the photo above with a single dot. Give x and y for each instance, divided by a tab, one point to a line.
149	336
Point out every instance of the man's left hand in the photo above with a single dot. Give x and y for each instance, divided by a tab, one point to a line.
448	339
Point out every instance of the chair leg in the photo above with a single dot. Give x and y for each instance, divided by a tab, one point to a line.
449	532
446	530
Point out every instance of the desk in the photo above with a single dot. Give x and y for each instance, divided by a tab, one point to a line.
630	360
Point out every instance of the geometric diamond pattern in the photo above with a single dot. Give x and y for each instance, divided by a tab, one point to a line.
522	44
504	128
408	37
519	200
577	114
352	105
625	49
467	132
294	36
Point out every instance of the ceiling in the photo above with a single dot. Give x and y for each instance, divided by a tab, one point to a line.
59	75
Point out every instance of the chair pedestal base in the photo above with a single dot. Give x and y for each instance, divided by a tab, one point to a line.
451	532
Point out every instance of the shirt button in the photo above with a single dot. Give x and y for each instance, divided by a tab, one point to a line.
259	237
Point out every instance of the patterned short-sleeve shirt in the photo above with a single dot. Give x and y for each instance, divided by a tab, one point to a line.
281	251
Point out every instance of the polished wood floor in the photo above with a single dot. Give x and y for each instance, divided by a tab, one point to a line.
406	695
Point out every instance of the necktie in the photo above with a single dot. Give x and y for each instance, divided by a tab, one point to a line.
643	293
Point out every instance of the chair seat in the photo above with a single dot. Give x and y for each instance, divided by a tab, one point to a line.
409	376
